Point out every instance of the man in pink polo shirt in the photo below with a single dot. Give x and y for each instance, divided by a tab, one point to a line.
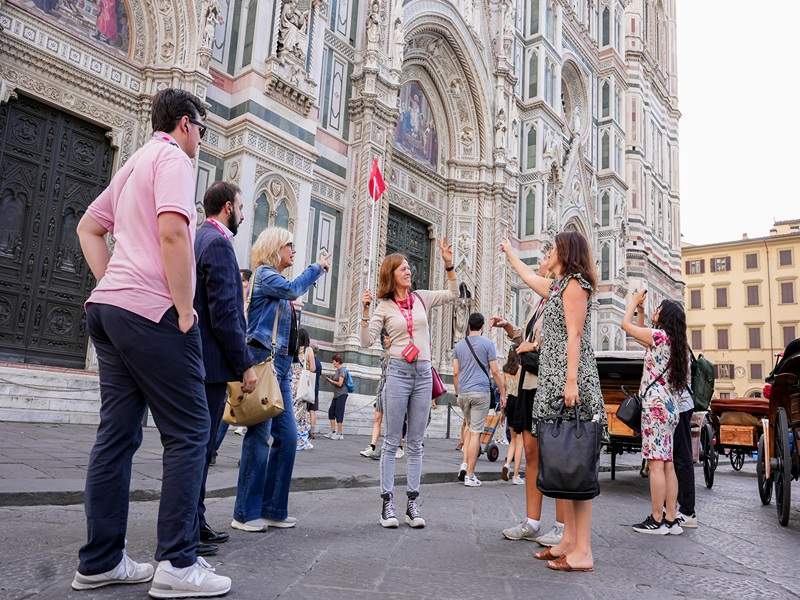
142	323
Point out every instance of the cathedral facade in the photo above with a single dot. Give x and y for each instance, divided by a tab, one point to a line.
489	119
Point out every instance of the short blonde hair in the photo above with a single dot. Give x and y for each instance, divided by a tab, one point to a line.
266	248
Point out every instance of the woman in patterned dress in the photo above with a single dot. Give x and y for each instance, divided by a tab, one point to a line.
664	388
567	372
305	360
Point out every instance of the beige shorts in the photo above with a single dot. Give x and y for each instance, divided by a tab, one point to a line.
475	407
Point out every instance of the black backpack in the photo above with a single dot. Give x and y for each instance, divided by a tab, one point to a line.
702	388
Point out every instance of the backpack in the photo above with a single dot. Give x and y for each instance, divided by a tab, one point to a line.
702	386
348	382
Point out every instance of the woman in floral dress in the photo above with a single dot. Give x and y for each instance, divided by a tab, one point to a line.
664	389
567	372
305	360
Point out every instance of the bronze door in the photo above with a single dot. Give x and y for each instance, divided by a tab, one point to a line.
52	165
409	236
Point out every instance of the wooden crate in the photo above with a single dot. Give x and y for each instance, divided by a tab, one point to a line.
615	426
737	435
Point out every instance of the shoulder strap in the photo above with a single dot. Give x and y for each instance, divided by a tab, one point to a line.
537	314
652	383
422	301
480	364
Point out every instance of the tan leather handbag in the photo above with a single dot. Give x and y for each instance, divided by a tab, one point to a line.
263	403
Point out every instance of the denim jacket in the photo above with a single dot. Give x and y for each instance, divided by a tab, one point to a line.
270	290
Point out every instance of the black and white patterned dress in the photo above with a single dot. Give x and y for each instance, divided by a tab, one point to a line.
553	361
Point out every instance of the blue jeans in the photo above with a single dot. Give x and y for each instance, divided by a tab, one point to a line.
223	429
265	473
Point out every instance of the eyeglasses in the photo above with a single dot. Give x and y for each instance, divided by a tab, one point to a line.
290	245
200	125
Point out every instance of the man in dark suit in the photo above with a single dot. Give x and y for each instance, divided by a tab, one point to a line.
219	304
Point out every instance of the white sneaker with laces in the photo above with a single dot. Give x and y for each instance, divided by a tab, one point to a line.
552	537
126	571
517	480
472	481
367	452
197	580
687	521
282	524
331	435
400	453
250	526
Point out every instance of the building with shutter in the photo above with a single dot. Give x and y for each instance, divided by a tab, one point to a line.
489	118
742	305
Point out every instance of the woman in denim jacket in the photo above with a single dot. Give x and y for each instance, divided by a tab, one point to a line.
265	474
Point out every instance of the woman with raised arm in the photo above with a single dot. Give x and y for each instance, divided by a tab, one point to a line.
403	313
665	394
567	372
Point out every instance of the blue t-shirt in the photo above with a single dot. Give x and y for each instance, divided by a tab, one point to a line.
471	377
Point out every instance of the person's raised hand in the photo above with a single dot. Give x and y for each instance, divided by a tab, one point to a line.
447	252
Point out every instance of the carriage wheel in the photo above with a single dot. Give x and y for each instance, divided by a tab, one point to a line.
737	459
492	452
709	454
783	468
764	484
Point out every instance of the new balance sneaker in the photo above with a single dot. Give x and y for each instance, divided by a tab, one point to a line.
472	481
286	523
126	571
250	526
388	516
400	453
651	526
462	472
517	480
523	531
552	537
687	521
413	517
197	580
368	452
673	527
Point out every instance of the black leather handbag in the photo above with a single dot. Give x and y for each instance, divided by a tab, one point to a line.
630	409
569	451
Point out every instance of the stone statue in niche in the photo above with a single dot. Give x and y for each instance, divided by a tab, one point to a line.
398	44
292	33
515	127
211	17
374	26
461	312
508	25
500	130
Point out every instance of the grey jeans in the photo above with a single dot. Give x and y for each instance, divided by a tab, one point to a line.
407	391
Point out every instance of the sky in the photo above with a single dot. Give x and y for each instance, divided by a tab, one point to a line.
740	124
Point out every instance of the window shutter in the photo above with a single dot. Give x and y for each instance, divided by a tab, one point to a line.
702	266
687	267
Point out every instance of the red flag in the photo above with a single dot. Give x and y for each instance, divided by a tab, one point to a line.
376	184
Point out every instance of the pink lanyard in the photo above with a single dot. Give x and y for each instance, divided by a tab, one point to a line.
218	227
408	315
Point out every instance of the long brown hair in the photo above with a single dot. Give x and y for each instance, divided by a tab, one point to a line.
386	285
575	256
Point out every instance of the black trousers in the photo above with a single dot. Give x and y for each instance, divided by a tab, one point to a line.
145	364
215	396
682	459
336	409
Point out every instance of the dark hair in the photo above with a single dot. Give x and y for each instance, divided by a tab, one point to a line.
303	339
337	358
170	105
386	275
672	319
575	256
476	322
384	334
246	274
220	193
512	363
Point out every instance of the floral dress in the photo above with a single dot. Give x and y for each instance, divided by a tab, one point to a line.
660	406
300	408
553	362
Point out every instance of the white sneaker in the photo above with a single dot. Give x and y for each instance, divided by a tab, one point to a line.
250	526
517	480
687	521
367	452
400	453
552	537
462	471
198	580
240	430
126	571
331	435
282	524
472	481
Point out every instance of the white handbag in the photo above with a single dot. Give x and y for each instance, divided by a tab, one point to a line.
306	384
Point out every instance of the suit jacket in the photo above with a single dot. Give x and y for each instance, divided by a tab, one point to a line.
220	307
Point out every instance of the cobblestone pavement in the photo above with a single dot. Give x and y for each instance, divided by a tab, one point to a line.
339	552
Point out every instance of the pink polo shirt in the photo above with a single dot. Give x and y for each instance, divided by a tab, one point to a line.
158	178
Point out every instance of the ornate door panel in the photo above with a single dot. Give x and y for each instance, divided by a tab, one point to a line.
52	165
409	236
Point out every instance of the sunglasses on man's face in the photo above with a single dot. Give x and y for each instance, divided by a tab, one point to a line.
200	125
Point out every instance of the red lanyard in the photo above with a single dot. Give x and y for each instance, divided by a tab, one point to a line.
218	227
408	314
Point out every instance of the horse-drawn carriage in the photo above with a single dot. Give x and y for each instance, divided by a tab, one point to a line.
779	445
